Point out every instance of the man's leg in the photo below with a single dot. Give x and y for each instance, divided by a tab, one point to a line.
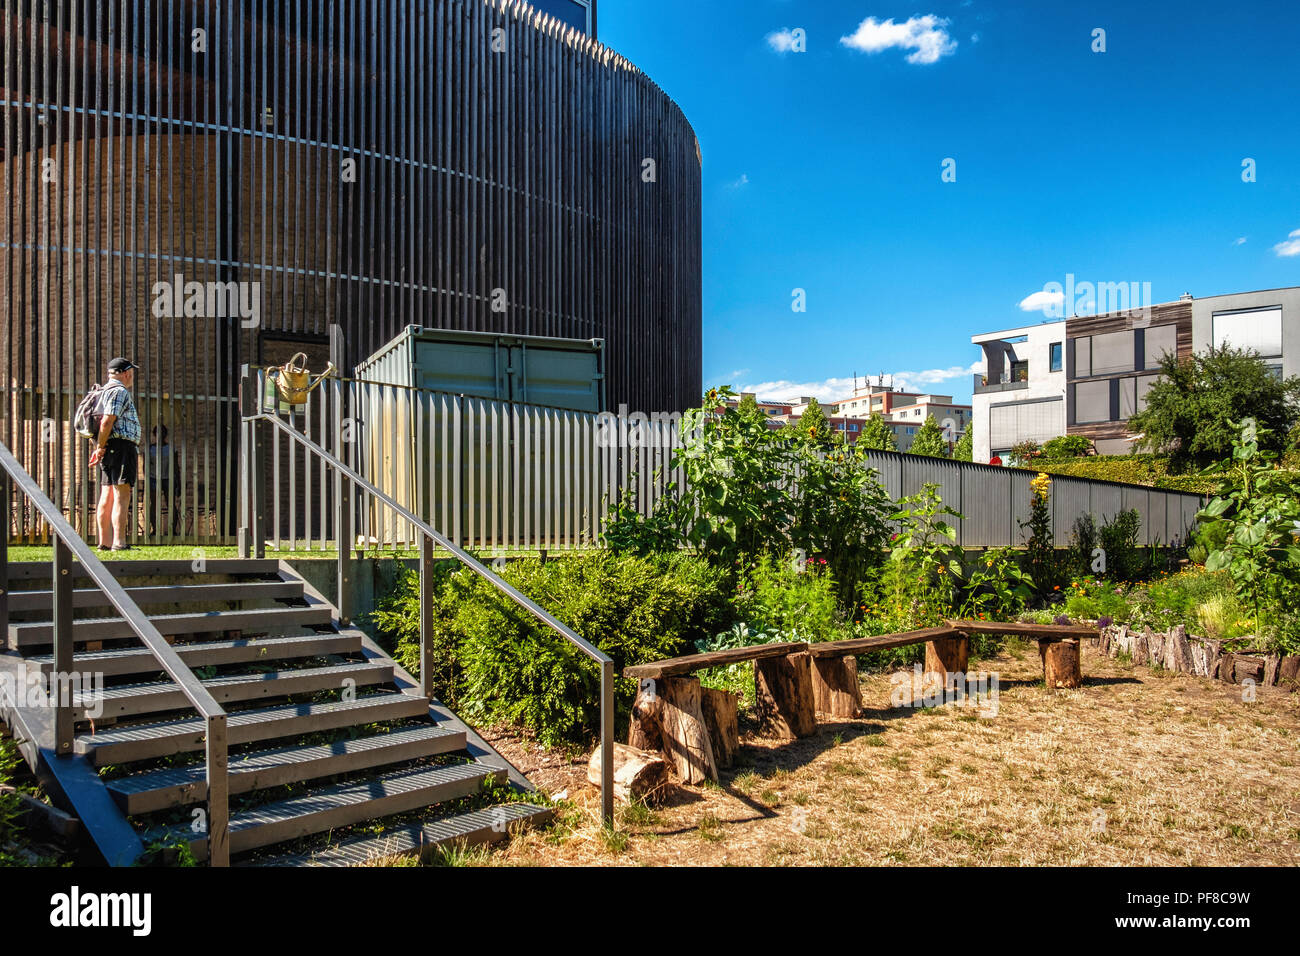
121	503
104	516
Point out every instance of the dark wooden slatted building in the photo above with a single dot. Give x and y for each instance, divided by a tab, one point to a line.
328	172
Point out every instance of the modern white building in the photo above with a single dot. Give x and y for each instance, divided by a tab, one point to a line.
1267	322
1022	394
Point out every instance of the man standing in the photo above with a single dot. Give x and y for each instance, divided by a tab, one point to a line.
117	448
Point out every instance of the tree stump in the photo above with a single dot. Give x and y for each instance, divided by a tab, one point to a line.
784	693
637	773
722	720
1178	652
1062	666
1141	648
947	655
1288	673
644	731
685	736
835	686
1228	667
1271	664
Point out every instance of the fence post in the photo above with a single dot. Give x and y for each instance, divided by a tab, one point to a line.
257	487
426	614
607	743
61	680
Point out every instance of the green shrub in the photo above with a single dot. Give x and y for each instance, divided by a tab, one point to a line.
1064	448
500	665
1118	537
1149	470
790	597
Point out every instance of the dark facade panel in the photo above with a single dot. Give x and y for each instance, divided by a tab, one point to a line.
349	168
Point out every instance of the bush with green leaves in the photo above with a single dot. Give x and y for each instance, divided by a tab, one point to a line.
736	678
1118	539
1064	448
924	562
1258	506
876	435
499	665
627	531
790	596
841	516
995	587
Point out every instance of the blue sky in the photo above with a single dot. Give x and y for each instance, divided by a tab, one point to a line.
822	169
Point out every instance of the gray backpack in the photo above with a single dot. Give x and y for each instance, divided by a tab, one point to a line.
87	419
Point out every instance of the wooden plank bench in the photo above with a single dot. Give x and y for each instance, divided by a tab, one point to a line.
1058	646
835	664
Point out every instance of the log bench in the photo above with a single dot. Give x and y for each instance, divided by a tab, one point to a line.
1058	646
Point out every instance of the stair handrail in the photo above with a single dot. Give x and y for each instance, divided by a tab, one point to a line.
252	396
68	544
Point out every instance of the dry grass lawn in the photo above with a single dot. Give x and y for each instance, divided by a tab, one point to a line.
1135	768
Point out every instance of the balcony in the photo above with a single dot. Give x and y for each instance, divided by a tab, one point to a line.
1006	382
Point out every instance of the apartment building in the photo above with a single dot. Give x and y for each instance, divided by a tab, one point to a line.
1022	394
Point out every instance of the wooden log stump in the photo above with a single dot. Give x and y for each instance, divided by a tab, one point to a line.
784	693
1288	673
947	655
1062	666
1271	664
1228	667
721	711
1178	652
835	686
1142	648
685	736
644	731
638	774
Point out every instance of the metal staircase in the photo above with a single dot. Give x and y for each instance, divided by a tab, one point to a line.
325	731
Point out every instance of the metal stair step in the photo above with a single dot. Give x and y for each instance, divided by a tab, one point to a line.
149	567
163	594
348	803
157	696
488	825
146	741
41	633
179	786
139	660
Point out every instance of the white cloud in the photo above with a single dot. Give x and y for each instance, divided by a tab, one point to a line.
1291	246
1042	301
782	41
833	389
1240	240
974	38
737	183
925	36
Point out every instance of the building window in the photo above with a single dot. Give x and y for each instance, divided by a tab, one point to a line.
1082	357
1112	352
1160	340
1055	360
1092	402
1144	383
1259	330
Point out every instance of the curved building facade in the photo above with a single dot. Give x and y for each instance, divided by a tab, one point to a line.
317	175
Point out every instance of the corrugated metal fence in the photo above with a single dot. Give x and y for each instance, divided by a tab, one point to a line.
497	476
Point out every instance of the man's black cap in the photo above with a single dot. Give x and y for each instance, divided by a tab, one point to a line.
121	365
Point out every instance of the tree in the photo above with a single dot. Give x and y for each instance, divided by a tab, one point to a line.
1065	447
929	440
1191	408
965	450
813	426
749	406
876	435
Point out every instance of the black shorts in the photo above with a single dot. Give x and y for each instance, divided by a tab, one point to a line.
120	462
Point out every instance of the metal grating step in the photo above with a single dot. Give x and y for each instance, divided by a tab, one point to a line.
257	620
163	594
488	825
158	696
178	786
139	660
146	741
345	804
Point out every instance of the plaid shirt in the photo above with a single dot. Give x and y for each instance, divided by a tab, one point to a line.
117	401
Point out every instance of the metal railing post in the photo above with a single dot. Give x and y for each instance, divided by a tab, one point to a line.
257	456
218	792
426	615
607	743
343	507
61	679
247	388
4	556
